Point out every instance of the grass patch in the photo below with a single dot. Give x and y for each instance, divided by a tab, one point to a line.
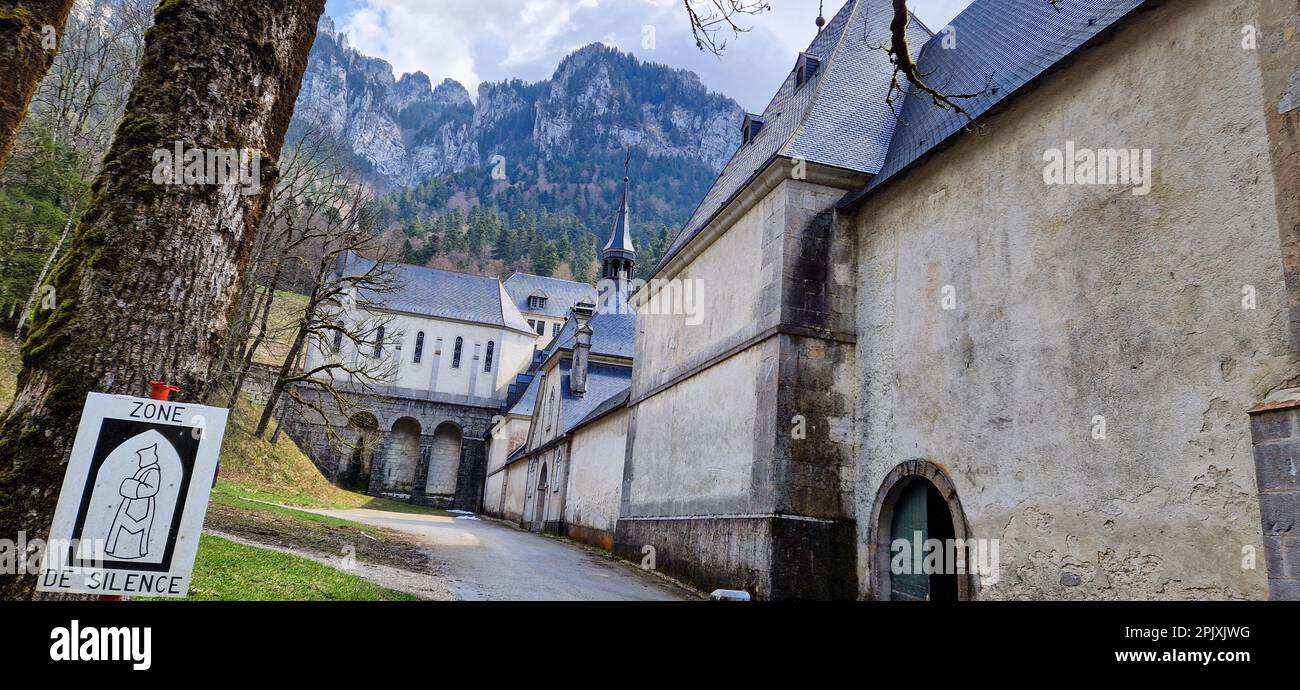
10	364
235	497
228	571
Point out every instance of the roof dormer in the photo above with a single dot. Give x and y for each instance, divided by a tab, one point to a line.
805	69
537	300
751	127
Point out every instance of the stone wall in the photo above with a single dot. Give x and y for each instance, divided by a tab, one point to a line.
1087	392
1275	429
738	469
595	480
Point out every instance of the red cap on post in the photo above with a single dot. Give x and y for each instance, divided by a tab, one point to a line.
161	391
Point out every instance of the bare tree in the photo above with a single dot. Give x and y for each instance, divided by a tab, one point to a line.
84	94
29	35
709	18
343	321
310	164
908	79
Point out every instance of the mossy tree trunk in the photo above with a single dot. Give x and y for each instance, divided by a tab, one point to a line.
146	287
29	33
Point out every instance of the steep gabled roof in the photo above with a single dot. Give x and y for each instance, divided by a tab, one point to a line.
561	295
838	118
614	402
1000	46
443	294
613	335
603	382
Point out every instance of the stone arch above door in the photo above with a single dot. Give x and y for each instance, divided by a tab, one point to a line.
882	518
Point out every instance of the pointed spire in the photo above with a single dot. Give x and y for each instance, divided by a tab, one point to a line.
821	16
619	256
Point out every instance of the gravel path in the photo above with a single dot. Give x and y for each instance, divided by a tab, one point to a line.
484	560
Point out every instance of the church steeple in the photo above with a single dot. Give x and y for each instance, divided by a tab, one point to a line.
618	259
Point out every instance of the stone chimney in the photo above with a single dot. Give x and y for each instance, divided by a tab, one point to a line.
581	357
583	311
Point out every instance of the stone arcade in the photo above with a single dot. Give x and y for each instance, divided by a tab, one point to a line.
455	344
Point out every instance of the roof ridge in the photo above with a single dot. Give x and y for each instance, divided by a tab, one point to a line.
831	62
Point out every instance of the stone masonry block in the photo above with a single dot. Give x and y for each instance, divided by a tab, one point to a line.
1273	425
1277	466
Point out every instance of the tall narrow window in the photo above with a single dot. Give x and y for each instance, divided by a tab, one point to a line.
455	354
419	346
338	339
555	329
379	342
487	361
541	328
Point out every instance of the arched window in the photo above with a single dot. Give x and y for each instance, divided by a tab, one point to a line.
455	355
487	362
379	342
419	346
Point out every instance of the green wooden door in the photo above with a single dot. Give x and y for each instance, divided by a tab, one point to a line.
909	582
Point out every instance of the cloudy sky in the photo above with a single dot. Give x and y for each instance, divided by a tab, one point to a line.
489	40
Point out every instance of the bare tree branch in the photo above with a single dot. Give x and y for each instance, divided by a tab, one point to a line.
710	17
907	79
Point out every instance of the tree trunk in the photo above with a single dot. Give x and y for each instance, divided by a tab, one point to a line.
281	381
250	352
27	28
147	284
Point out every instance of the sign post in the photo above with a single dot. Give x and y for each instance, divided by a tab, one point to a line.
134	497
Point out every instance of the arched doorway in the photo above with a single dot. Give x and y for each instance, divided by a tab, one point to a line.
403	454
362	436
539	507
444	461
920	547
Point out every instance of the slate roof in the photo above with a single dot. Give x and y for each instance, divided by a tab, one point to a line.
561	294
620	239
838	118
1001	44
604	381
529	399
443	294
613	335
615	401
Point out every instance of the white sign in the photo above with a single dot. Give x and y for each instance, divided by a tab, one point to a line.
134	498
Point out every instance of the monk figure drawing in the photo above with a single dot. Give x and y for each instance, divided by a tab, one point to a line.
128	538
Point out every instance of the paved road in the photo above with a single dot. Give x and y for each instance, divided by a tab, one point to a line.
486	560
